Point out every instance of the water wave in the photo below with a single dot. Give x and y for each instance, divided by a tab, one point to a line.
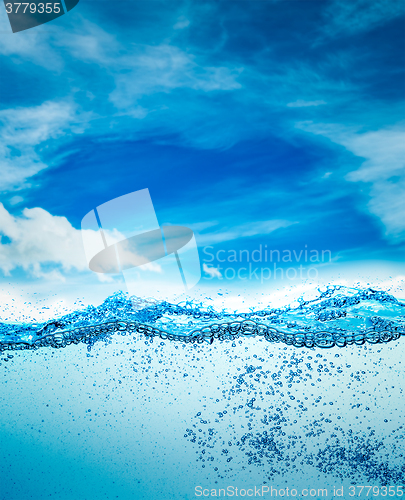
338	316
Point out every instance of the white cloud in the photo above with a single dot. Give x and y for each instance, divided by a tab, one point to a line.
15	200
23	131
383	169
154	267
162	68
243	231
212	271
359	15
145	69
47	246
182	23
302	104
137	69
384	151
46	46
88	42
388	203
31	45
37	240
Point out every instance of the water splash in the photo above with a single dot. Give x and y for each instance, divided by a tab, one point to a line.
338	316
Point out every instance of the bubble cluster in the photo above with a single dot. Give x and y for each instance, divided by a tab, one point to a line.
279	430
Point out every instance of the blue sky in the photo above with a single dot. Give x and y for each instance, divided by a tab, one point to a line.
252	122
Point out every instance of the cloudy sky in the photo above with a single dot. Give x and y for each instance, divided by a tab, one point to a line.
252	122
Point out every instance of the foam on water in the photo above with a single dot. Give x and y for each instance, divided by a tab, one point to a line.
338	316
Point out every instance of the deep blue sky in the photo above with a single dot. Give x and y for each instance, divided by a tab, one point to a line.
233	113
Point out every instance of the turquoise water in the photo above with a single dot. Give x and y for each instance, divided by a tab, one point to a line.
337	316
143	399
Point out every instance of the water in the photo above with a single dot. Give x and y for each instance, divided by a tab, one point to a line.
337	316
144	399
